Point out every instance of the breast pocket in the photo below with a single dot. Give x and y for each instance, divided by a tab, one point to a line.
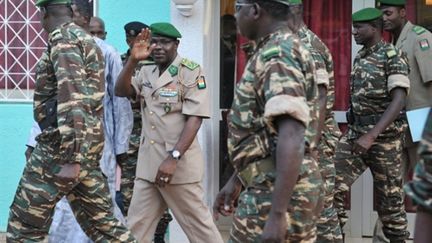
169	100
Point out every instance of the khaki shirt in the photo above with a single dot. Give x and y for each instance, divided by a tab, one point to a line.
416	42
166	101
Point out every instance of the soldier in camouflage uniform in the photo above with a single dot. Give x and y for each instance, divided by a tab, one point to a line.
68	107
270	134
128	167
420	189
379	86
327	226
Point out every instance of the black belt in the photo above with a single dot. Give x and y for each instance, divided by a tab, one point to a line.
373	119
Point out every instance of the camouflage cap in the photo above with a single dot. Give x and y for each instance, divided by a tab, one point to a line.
165	29
392	2
134	28
289	2
41	3
366	15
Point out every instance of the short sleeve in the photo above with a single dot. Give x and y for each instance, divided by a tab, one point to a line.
285	92
397	70
423	56
196	96
321	74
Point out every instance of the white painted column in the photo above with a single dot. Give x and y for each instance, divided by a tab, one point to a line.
200	43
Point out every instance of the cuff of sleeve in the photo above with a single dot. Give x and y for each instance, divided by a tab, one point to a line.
295	107
121	150
398	81
322	77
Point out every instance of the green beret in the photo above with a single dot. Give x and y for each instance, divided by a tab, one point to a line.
41	3
366	15
134	28
289	2
392	2
165	29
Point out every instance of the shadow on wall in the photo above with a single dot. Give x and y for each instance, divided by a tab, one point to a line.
15	124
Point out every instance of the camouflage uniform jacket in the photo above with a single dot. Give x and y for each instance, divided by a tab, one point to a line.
376	71
310	38
278	80
420	188
71	71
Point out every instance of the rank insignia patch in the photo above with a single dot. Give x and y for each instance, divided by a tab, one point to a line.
391	53
173	70
424	45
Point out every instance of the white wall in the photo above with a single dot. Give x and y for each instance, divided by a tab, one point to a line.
195	30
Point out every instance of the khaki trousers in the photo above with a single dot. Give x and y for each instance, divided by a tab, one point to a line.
186	203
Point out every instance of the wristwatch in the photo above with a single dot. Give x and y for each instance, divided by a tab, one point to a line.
175	154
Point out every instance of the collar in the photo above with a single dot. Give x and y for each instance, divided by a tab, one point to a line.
176	62
404	34
367	51
263	40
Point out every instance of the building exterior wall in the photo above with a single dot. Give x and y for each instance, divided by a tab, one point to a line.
117	13
16	118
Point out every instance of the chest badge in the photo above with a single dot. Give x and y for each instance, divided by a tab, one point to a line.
168	97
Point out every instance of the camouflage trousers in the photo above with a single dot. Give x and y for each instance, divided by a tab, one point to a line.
384	161
328	229
128	168
255	203
40	189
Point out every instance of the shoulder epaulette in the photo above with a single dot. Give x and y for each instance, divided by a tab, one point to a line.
56	35
271	52
189	64
418	29
391	53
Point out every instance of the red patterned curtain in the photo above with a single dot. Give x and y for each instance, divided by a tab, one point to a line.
22	42
331	21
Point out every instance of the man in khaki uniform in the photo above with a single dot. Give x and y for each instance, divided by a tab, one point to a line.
174	100
415	41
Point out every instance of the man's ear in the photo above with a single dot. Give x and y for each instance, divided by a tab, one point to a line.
402	12
87	21
256	10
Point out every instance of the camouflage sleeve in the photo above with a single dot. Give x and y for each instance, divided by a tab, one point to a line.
425	149
321	74
284	92
73	94
397	70
420	188
423	55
